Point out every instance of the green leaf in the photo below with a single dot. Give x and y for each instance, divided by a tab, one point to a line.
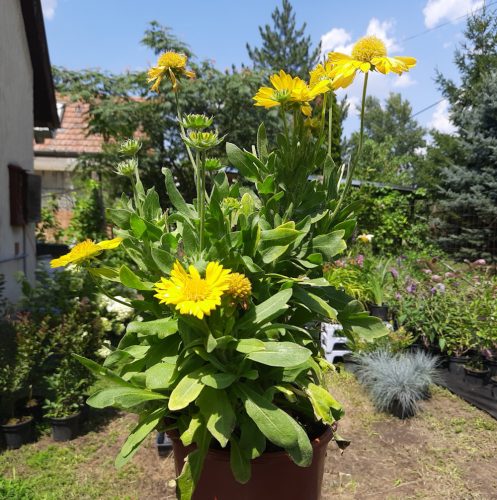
101	372
326	407
177	200
146	425
131	280
159	376
262	142
219	380
329	244
123	397
266	311
164	260
281	429
314	303
162	328
187	390
104	272
242	162
279	236
240	464
250	345
252	440
151	205
218	413
283	354
189	434
137	225
270	254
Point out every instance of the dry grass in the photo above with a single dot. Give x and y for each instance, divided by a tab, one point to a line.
447	452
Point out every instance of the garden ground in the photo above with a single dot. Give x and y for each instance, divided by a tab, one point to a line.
448	451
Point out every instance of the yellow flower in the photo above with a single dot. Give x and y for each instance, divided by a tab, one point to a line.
321	73
368	54
365	238
192	294
239	286
288	90
85	250
172	64
283	85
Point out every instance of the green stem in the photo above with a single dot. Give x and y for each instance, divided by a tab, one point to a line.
99	286
183	132
285	125
357	157
330	124
202	201
197	180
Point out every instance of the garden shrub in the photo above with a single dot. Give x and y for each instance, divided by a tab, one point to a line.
397	382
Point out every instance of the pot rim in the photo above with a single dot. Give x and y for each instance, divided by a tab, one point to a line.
24	423
61	420
224	454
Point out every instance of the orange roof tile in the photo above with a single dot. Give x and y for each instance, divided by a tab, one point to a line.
72	137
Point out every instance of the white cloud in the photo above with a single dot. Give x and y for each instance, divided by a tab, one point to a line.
382	30
336	39
353	101
436	11
49	7
403	81
340	40
440	119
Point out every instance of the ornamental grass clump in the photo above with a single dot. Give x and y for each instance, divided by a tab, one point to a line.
397	382
229	286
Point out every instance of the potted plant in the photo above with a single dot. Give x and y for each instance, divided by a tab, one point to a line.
377	275
226	357
476	371
14	372
63	408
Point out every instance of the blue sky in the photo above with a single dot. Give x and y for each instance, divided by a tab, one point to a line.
107	33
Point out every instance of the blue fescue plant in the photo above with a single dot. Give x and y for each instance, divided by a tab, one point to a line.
397	382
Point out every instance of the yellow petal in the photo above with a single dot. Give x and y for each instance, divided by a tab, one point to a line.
110	244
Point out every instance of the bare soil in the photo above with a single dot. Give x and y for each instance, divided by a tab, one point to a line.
448	451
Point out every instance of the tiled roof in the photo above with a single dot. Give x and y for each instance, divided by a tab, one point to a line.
72	136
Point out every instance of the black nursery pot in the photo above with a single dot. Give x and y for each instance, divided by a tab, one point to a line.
18	434
65	428
379	311
456	364
475	376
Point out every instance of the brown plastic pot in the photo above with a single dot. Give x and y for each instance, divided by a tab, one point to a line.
274	475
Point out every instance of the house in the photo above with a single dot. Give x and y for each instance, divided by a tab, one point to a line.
56	156
27	100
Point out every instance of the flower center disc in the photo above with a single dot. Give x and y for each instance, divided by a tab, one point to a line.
367	48
196	290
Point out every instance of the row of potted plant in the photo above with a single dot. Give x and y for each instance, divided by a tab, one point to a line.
39	378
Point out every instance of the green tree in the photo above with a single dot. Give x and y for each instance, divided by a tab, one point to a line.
121	105
393	140
284	46
467	212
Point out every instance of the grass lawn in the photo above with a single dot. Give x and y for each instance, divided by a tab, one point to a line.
448	451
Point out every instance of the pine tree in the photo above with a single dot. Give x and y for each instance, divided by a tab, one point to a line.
467	219
284	46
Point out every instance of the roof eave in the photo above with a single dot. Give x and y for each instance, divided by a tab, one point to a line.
45	107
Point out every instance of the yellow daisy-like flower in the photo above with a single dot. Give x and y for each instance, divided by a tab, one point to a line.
171	64
322	72
239	286
84	251
192	294
368	54
287	90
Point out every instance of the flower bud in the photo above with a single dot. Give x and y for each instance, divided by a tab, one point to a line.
130	147
196	122
202	140
127	168
212	164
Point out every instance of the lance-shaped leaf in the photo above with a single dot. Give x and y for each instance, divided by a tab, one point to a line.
283	354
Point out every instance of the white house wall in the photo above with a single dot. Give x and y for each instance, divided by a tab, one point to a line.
16	141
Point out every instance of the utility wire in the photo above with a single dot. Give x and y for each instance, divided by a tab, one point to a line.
429	30
427	108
